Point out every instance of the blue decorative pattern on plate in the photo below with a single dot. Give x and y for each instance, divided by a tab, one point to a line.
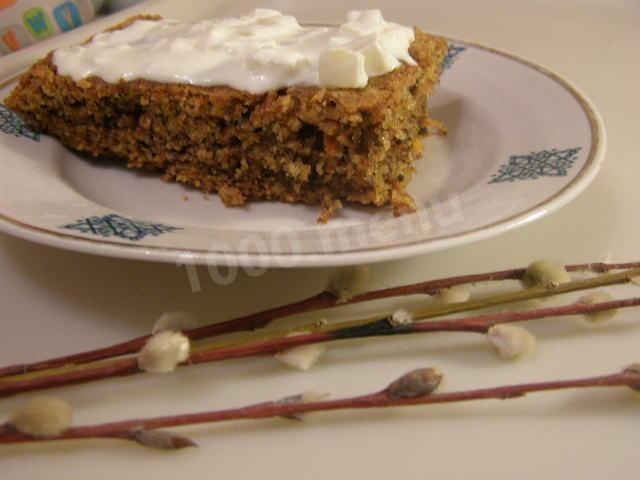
493	104
544	163
113	225
12	124
452	54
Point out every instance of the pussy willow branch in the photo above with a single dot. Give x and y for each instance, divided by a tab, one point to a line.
434	311
319	301
380	399
128	366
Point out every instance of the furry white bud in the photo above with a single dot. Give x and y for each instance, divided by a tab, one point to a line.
401	317
42	417
545	273
454	294
174	321
349	282
303	357
511	341
163	352
592	298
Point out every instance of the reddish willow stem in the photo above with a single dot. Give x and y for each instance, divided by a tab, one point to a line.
319	301
477	324
381	399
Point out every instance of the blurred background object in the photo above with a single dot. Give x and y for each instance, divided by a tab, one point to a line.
115	5
25	22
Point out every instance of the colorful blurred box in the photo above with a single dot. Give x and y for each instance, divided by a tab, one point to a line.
24	22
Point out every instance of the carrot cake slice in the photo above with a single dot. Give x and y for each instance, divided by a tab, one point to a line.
256	107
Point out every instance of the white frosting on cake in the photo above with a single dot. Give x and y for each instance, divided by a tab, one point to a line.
264	50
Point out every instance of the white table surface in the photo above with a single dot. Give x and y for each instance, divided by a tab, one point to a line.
56	302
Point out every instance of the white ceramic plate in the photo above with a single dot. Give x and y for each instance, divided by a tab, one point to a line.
522	142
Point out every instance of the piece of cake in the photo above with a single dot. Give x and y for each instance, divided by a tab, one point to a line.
318	115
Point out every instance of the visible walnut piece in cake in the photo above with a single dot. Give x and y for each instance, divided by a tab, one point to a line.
308	144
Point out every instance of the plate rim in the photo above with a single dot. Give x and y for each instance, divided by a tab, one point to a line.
547	206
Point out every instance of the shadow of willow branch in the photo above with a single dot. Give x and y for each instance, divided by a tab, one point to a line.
127	429
322	300
383	327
